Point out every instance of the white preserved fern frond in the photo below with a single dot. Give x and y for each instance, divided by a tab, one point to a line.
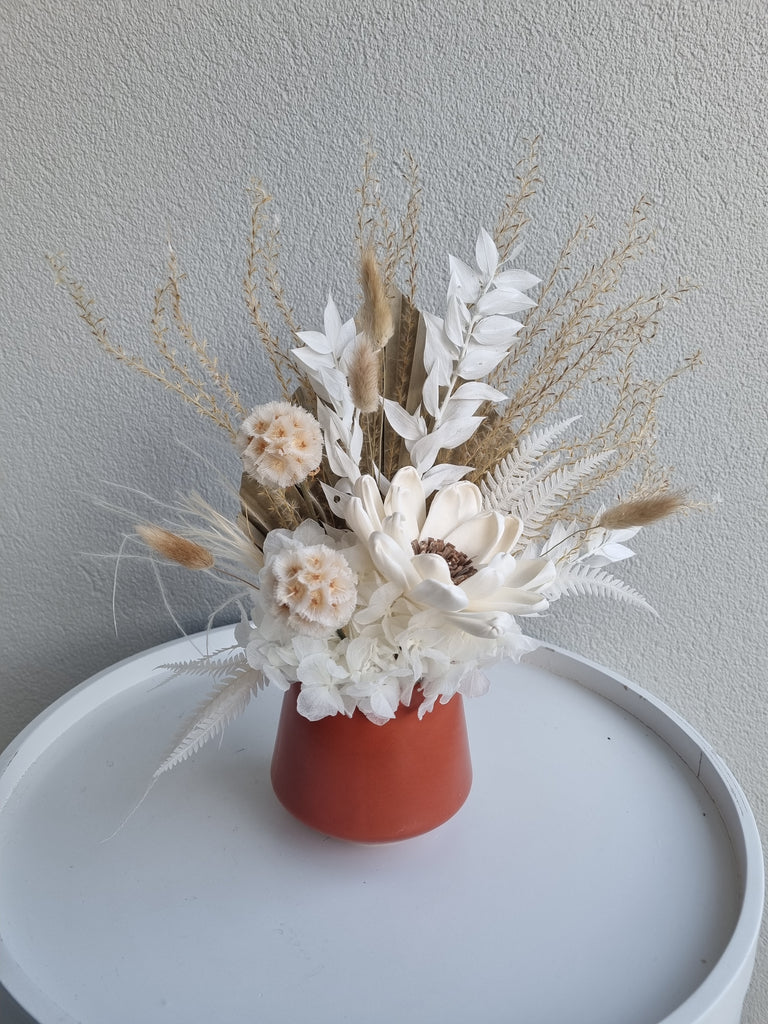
513	476
547	495
213	665
579	580
229	700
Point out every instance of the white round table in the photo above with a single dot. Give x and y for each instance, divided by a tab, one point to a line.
606	868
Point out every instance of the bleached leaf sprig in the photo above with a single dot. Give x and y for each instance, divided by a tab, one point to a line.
325	359
475	336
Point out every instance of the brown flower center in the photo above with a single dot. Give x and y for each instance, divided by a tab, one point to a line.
459	564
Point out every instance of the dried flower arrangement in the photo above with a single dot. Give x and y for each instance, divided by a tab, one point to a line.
411	497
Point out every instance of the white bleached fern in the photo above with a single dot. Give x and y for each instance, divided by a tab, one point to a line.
578	580
514	475
537	504
214	666
238	682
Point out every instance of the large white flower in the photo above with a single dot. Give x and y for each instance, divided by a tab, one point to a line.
454	559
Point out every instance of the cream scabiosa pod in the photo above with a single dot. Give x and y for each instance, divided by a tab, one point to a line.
455	558
280	444
308	587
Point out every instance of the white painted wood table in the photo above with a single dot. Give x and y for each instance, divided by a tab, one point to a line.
606	869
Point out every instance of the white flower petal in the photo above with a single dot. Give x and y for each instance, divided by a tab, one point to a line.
409	427
530	572
332	321
484	581
383	706
501	301
378	604
430	392
392	562
432	567
514	600
478	537
342	464
438	348
456	319
367	490
316	341
451	506
443	474
474	683
480	392
616	552
316	702
406	497
358	519
491	626
496	330
275	677
486	535
400	530
424	452
446	597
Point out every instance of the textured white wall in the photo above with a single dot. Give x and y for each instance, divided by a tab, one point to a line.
121	122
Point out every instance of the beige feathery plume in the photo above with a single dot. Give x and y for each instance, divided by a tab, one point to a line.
642	512
376	315
175	548
363	376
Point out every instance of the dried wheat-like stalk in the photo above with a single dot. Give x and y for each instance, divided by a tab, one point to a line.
579	335
546	311
559	318
408	313
198	347
271	250
374	228
193	390
407	250
630	433
514	214
393	248
263	260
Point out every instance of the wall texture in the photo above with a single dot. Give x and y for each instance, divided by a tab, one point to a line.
124	123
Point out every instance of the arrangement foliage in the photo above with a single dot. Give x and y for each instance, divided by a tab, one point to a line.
417	491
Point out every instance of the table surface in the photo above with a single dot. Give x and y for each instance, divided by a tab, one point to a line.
605	868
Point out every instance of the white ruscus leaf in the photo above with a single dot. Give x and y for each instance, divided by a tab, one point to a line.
408	426
486	254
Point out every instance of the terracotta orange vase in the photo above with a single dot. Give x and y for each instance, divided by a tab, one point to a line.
370	783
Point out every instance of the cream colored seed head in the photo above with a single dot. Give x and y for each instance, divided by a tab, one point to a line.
175	548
